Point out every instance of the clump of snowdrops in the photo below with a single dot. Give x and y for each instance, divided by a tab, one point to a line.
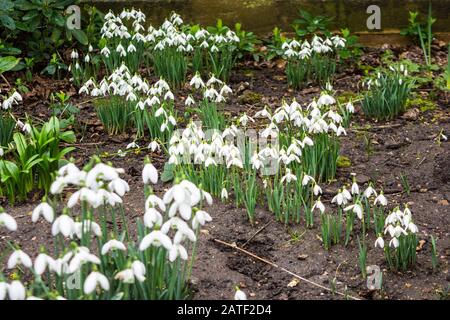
313	61
123	40
84	67
7	122
91	261
400	252
129	100
387	93
368	207
213	96
298	144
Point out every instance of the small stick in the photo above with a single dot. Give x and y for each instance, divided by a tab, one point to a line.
283	269
256	233
4	79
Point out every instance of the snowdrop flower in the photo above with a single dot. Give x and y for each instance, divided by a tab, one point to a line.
64	225
154	146
85	227
189	101
369	191
177	250
27	128
240	295
155	238
317	190
394	243
356	208
45	210
200	218
379	242
288	177
16	290
350	107
355	188
326	100
19	257
1	152
138	270
41	263
152	217
3	290
92	280
8	221
149	174
306	179
318	205
224	194
197	82
132	145
381	199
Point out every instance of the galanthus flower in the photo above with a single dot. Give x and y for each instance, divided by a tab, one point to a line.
18	257
42	262
200	218
113	245
64	225
381	199
152	217
45	210
356	208
240	295
177	250
149	174
157	239
319	205
92	280
379	242
369	191
87	226
224	194
16	290
8	221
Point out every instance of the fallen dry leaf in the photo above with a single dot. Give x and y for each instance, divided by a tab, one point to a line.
421	244
294	282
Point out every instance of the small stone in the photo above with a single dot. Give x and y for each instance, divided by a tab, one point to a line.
302	256
362	179
443	202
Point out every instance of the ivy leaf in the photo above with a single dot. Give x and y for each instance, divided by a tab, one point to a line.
80	36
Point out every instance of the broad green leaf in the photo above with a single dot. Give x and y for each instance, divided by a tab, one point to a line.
8	63
8	22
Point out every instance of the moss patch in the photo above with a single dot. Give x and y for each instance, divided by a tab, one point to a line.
343	162
423	104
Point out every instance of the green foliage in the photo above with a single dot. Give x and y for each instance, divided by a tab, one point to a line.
7	125
387	95
421	32
309	24
8	63
32	158
247	43
274	44
353	48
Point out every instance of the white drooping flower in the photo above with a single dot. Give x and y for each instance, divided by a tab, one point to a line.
8	221
45	210
18	257
16	290
240	295
64	225
93	280
149	174
155	238
113	245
